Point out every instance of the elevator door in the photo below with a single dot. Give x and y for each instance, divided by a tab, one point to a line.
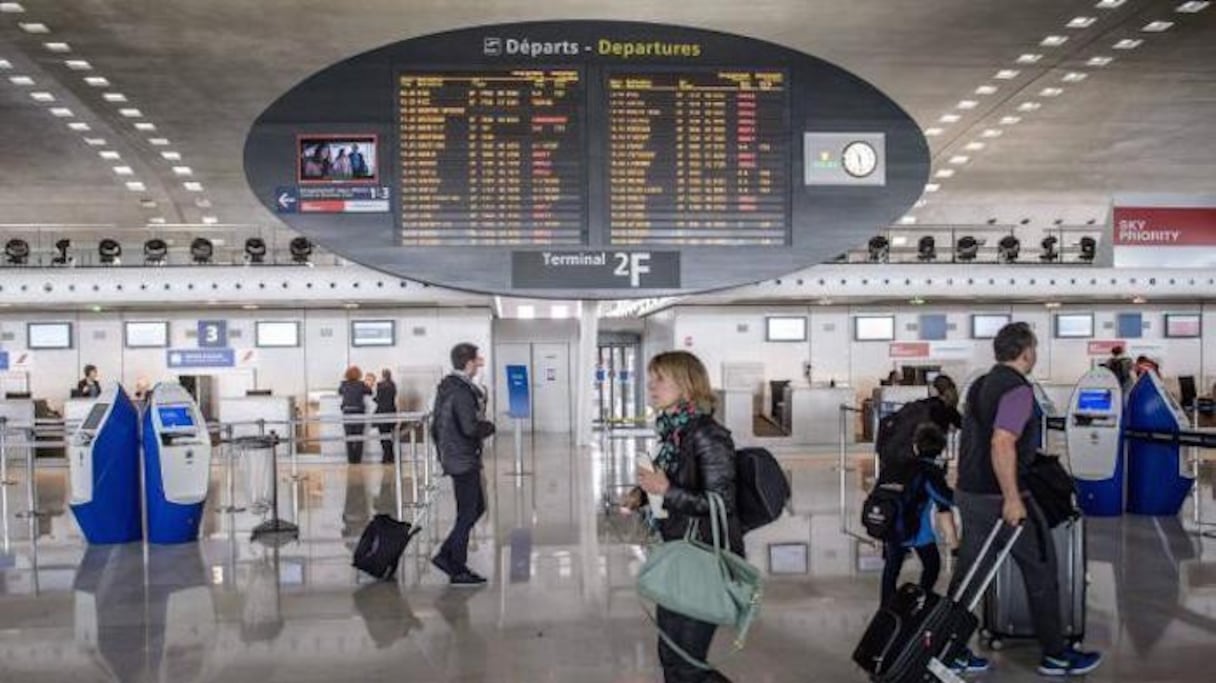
616	385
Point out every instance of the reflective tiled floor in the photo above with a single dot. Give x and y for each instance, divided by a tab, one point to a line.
560	605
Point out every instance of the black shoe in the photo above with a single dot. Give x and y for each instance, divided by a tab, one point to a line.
444	566
475	575
467	579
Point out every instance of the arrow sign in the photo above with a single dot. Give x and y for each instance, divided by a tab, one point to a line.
287	199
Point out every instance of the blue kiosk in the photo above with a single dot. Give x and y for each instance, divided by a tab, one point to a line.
177	464
1095	448
1158	477
103	464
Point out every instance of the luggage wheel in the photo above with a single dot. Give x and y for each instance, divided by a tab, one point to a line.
996	644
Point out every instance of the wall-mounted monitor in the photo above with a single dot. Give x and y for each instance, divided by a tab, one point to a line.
277	334
146	335
48	335
986	325
1074	325
337	158
933	327
373	333
1182	325
785	329
874	328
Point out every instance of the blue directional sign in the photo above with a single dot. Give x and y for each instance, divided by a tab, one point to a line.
3	360
287	199
201	358
517	391
212	334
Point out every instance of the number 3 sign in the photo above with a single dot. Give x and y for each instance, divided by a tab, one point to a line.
212	334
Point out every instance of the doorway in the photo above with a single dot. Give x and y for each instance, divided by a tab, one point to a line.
617	389
551	393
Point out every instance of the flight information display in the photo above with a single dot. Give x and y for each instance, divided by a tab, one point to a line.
698	158
492	158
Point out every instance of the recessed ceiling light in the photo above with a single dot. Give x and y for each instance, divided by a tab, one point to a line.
131	113
11	7
97	81
1192	7
1082	22
109	155
57	47
5	64
62	112
193	186
525	312
145	126
34	27
1139	300
183	170
1074	77
171	156
986	90
1128	44
210	220
1007	74
79	126
1100	61
20	80
959	159
1109	4
114	97
907	220
42	96
123	170
1051	92
202	203
992	133
932	187
249	307
77	65
158	142
1028	58
1029	106
945	173
1157	26
950	118
1052	304
95	142
974	146
1053	41
136	186
968	104
1010	120
157	220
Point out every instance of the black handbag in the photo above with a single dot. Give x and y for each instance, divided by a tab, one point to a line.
1052	488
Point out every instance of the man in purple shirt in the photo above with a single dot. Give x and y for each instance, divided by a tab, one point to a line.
1001	435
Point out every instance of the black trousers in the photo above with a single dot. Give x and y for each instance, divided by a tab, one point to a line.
470	506
354	449
386	445
694	637
1034	552
895	553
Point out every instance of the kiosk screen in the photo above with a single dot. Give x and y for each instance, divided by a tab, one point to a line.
175	417
1094	401
93	420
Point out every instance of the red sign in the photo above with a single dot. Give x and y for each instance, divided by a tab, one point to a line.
1164	227
1103	348
909	350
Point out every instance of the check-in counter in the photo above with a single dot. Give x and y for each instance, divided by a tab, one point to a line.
18	414
329	410
277	411
75	410
815	415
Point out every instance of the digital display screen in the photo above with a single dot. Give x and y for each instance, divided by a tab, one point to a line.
175	417
492	158
337	158
93	420
372	333
985	326
785	329
49	335
147	335
698	157
1094	401
277	334
1074	325
1184	325
874	328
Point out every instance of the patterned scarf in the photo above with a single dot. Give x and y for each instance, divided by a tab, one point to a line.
672	425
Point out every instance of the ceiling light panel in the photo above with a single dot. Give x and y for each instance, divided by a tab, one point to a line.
1029	58
145	125
932	187
42	96
5	64
1029	106
58	47
95	142
97	81
1074	77
171	156
944	173
1082	22
34	27
193	186
1100	61
109	155
1192	7
210	220
986	90
203	203
20	80
959	160
157	220
950	118
1109	4
1053	41
1128	44
1010	120
1051	92
131	113
79	126
136	186
158	142
183	170
968	104
974	146
992	133
1007	74
77	65
123	170
62	112
1157	26
11	7
114	97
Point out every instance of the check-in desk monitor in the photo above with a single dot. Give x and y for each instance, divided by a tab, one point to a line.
1093	429
177	462
103	468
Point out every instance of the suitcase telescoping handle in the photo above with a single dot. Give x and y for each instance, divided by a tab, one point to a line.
981	559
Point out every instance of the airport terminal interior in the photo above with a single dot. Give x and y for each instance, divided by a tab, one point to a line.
242	239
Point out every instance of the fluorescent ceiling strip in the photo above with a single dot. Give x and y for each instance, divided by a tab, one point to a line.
986	90
136	186
20	80
58	47
114	97
1157	26
944	173
1053	41
97	81
62	112
1082	22
1007	74
34	27
1100	61
77	65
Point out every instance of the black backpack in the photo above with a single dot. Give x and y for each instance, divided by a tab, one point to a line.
762	490
889	512
893	443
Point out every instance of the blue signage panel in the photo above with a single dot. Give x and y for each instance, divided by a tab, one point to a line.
3	360
201	358
287	199
517	390
212	334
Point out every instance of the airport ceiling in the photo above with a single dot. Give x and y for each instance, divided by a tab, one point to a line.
200	72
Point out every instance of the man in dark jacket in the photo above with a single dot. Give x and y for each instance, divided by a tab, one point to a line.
386	403
459	427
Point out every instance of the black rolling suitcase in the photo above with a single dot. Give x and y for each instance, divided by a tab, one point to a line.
916	635
381	546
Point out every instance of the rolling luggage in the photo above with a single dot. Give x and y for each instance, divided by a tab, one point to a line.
381	546
915	635
1006	610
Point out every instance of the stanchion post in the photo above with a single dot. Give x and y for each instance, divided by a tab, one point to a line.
4	480
294	452
397	470
843	465
427	474
229	466
31	488
414	466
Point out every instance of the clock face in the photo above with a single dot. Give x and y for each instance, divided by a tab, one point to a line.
859	159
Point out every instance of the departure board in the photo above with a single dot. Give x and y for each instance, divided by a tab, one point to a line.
698	158
492	158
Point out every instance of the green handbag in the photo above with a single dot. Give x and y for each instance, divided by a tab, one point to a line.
711	584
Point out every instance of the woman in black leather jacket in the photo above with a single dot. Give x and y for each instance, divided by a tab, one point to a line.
695	455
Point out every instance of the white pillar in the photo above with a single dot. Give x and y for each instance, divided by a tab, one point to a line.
588	343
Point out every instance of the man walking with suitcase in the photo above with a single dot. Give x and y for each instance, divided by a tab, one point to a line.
1000	437
459	427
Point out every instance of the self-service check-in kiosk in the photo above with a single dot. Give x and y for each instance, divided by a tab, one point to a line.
177	464
1095	451
103	464
1158	477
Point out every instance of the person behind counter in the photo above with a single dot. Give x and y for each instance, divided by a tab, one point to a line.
386	403
90	386
353	390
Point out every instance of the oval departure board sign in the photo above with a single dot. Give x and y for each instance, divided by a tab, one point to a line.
586	159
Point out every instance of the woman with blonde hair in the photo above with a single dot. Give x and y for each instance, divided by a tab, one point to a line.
695	456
